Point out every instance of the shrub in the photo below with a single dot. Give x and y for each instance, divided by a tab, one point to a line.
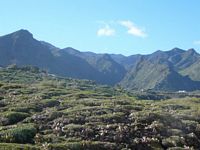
12	146
173	141
1	84
50	103
11	86
21	134
27	109
89	145
2	104
32	69
12	117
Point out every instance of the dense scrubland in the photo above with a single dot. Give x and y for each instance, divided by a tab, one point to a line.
42	111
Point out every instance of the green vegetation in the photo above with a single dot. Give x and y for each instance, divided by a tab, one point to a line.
40	111
23	133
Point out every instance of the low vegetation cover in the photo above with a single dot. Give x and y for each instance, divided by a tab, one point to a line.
40	111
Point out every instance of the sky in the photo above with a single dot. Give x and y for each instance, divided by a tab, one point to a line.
106	26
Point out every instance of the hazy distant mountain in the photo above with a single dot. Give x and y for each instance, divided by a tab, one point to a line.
171	70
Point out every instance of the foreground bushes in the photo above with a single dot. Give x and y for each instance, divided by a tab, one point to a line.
12	146
44	112
21	134
8	118
90	145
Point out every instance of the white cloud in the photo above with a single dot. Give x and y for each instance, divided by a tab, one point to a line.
106	31
133	29
196	42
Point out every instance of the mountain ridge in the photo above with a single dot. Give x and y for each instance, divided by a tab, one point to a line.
155	71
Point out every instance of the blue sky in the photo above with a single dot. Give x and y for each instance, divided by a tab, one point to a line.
106	26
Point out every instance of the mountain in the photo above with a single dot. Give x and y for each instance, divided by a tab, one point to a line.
181	60
21	48
190	65
157	74
126	61
170	70
193	71
112	71
187	59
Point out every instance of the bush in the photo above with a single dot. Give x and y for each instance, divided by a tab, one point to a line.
27	109
2	104
21	109
1	84
50	103
21	134
89	145
12	117
12	146
32	69
173	141
11	86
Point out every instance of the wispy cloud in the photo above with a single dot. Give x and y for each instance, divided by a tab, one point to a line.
106	31
133	29
196	42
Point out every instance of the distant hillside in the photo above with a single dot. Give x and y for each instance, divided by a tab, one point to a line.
171	70
112	71
156	74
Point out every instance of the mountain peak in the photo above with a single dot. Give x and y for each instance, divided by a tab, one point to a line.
22	33
71	50
192	51
178	50
175	51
